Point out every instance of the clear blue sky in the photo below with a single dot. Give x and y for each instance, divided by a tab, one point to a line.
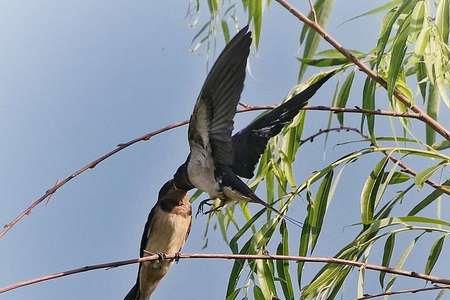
77	78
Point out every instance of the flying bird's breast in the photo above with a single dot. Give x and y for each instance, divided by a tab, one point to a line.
201	170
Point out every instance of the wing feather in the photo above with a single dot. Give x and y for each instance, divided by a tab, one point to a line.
211	123
250	142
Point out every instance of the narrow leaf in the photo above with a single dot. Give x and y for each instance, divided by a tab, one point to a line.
323	10
283	266
434	254
320	204
370	190
343	95
428	199
369	103
424	175
397	55
432	110
387	255
442	19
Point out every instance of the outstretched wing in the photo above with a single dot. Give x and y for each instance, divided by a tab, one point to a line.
250	142
212	120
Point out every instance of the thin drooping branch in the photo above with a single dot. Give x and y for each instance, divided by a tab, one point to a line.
327	260
323	131
404	167
364	111
246	108
409	291
371	73
83	169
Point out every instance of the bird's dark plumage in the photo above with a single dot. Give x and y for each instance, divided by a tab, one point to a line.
216	158
250	142
212	118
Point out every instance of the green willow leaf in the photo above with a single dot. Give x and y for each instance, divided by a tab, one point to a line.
344	94
401	262
376	10
433	111
387	255
387	25
369	103
442	19
417	19
257	293
323	62
225	30
270	187
397	178
434	254
233	243
428	199
213	6
265	279
416	219
421	75
283	266
441	145
323	10
319	206
235	271
424	175
397	55
370	190
197	194
333	53
257	11
304	240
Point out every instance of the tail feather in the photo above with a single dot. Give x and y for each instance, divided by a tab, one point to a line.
250	142
133	294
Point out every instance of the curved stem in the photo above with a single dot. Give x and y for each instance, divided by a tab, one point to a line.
409	291
329	260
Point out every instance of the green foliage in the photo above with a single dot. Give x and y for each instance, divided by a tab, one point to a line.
411	53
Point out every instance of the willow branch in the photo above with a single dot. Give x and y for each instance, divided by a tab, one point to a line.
91	165
364	111
410	291
327	260
371	73
323	131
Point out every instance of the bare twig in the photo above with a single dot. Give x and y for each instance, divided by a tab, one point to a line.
88	166
404	167
323	131
329	260
409	291
364	111
371	73
6	228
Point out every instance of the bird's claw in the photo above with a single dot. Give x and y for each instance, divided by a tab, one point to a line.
177	257
212	210
161	256
200	206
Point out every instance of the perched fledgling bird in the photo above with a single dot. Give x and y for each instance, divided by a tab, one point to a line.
166	231
216	158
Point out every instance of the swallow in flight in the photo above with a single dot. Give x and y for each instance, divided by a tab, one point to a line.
217	158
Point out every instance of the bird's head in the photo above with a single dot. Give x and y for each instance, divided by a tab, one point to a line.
169	193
